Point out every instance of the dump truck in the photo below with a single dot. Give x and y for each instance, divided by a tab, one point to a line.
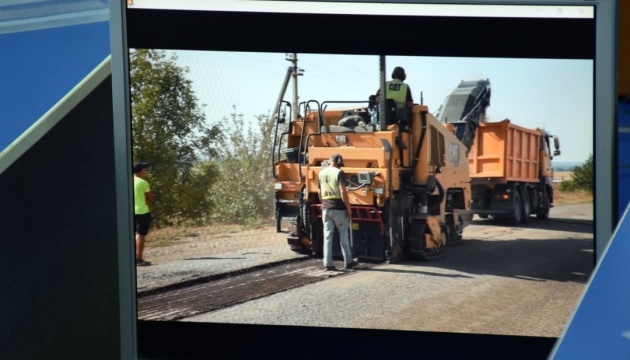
510	166
511	172
408	174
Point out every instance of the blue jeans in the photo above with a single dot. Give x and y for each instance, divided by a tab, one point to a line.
339	219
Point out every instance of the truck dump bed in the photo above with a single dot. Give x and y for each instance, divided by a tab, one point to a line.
505	152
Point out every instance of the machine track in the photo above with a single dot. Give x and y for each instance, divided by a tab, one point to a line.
432	254
419	251
179	303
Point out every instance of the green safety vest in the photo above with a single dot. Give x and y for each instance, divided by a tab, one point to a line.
328	183
397	91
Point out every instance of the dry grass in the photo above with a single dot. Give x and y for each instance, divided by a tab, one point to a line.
171	244
562	175
568	197
167	236
572	197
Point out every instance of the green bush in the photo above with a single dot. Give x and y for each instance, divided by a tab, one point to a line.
243	192
581	178
170	133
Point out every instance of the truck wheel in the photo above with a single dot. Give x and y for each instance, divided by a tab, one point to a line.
518	207
543	210
527	207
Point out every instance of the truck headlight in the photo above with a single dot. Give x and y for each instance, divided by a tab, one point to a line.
379	191
277	186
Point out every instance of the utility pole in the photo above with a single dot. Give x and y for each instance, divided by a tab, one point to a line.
381	103
295	72
292	72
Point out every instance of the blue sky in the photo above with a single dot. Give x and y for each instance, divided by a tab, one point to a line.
553	94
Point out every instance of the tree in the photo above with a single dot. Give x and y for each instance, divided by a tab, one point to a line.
581	178
243	192
169	132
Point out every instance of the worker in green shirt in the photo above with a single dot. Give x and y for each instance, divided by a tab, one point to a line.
143	197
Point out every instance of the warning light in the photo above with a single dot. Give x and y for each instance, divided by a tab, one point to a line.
505	196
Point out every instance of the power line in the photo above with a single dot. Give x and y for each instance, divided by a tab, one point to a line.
353	84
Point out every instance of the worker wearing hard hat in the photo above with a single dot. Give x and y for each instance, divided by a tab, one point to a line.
336	211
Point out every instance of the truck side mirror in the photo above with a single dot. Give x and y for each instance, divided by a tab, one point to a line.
556	143
280	118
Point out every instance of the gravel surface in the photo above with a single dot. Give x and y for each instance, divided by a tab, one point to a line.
458	302
203	256
500	280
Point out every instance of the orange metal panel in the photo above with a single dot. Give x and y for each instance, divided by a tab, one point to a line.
488	154
505	152
287	171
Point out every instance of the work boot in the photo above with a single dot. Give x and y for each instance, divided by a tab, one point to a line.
330	268
142	262
352	264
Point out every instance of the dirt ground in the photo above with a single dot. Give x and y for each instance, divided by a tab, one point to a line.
174	243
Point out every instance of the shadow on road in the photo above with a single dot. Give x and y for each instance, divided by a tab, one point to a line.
557	224
416	271
535	260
